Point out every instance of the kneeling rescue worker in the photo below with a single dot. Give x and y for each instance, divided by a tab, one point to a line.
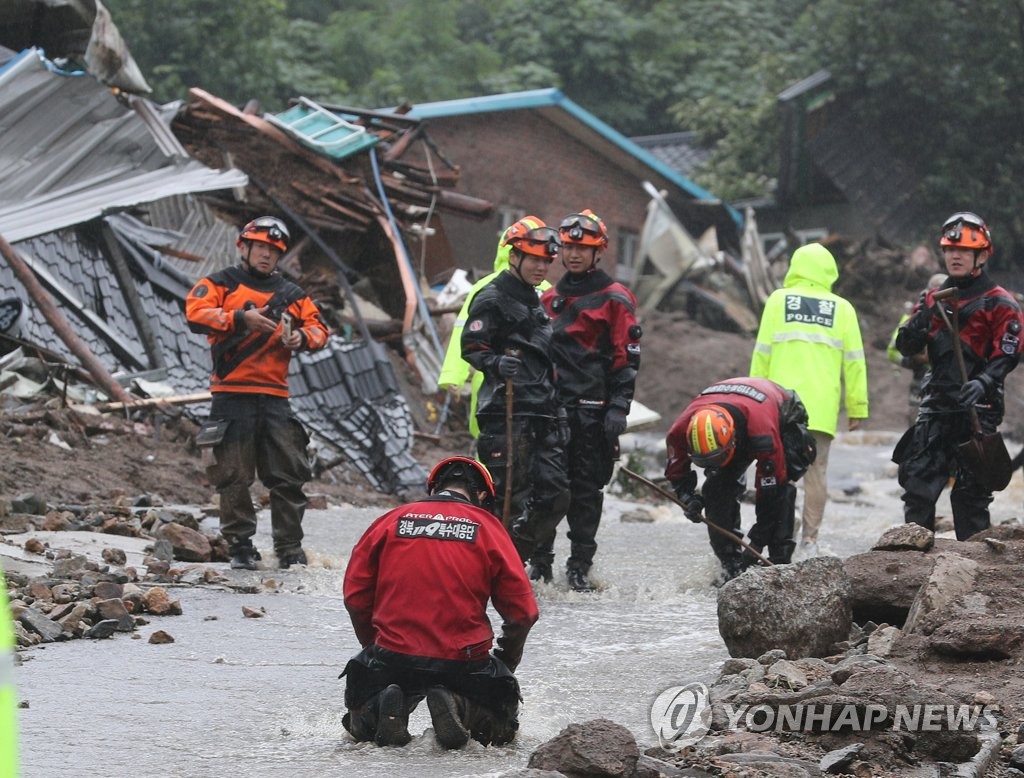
416	588
728	426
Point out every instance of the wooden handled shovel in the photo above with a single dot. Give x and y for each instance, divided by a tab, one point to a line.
984	452
721	530
506	511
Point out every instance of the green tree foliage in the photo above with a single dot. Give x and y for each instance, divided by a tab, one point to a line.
227	47
944	80
742	54
941	79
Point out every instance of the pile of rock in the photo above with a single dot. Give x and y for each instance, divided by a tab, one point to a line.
56	594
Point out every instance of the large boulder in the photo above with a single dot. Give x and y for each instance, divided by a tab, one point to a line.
597	749
802	609
884	584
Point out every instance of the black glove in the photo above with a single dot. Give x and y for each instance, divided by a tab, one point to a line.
497	653
971	392
614	422
693	506
508	366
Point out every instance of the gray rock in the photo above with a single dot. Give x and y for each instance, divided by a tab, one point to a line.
773	764
114	610
189	545
102	629
598	748
802	609
29	503
883	584
1017	758
786	673
951	577
36	622
977	637
882	640
835	762
906	537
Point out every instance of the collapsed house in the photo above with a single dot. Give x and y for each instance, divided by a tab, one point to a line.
116	220
118	205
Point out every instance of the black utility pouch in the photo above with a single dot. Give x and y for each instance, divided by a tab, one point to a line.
211	433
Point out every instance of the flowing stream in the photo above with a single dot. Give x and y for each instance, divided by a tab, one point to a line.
260	697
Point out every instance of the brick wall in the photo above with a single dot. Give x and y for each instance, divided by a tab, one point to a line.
521	160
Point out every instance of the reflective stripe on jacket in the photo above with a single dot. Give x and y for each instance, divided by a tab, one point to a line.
809	341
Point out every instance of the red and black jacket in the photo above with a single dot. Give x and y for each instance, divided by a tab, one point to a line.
990	324
420	577
756	405
595	341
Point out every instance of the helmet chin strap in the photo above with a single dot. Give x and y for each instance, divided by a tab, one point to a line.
518	267
246	260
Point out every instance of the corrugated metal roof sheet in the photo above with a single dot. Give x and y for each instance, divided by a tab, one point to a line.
108	156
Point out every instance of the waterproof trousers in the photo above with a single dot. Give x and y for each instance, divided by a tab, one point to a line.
489	691
540	484
927	456
774	526
591	457
262	438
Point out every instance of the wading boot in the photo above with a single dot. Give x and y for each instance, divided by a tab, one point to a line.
578	579
449	728
540	571
286	559
392	718
244	558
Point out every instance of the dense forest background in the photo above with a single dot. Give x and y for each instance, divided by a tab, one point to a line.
945	77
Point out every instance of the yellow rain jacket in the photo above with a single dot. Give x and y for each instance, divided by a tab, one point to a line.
809	341
455	371
8	697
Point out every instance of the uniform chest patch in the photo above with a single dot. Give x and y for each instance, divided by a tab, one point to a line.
476	325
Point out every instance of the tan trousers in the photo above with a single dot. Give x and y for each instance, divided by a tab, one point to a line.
816	489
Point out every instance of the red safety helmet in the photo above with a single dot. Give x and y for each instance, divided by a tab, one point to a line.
967	230
584	228
711	437
266	229
531	236
475	474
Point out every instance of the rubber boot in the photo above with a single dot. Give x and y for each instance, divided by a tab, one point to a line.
540	570
447	718
578	579
392	718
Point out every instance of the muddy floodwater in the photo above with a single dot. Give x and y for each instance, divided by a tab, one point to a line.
260	697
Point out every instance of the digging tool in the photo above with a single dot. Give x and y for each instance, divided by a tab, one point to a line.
506	512
984	452
722	530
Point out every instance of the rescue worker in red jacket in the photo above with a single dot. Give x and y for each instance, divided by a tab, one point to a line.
990	336
416	588
255	319
595	345
728	426
508	337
